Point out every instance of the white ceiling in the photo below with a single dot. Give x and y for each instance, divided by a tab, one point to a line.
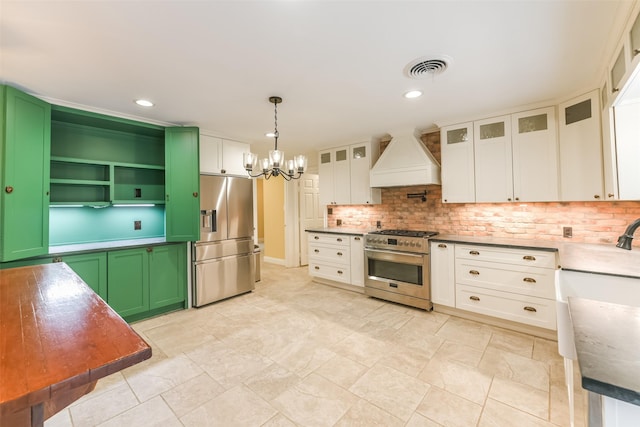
337	64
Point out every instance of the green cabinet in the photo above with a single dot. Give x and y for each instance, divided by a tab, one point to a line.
92	269
25	135
128	281
146	281
182	181
167	275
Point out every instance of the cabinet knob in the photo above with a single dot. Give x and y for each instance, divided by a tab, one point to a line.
57	259
195	194
316	237
474	298
517	198
474	253
223	171
339	253
316	267
509	199
167	197
610	195
8	189
339	271
531	309
596	196
149	249
474	272
356	238
316	250
442	245
339	239
614	90
529	258
636	51
445	200
529	280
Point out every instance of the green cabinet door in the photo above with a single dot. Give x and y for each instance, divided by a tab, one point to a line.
167	275
182	183
128	281
92	268
25	138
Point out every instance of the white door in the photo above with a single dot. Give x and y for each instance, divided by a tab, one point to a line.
310	211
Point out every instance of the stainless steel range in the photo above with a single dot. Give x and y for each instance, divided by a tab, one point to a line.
397	266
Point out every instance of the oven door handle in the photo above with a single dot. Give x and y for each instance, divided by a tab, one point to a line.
400	257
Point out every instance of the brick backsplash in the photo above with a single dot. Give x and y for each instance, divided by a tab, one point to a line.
592	222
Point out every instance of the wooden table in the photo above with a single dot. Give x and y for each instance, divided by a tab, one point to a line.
57	338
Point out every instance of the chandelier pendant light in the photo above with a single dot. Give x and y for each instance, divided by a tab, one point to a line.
276	165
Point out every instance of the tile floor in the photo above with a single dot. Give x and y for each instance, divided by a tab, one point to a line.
297	353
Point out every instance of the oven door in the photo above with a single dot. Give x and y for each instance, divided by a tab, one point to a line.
399	272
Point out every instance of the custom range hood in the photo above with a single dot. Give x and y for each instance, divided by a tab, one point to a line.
405	161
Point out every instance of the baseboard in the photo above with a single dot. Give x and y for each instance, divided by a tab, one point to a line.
271	260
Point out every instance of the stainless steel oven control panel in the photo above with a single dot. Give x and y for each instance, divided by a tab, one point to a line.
402	244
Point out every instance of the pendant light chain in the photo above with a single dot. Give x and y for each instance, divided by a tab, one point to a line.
275	119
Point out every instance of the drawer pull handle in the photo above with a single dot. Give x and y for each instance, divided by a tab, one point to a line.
339	239
474	253
356	239
531	309
316	237
529	280
339	271
442	245
474	272
339	253
316	250
474	298
316	267
529	258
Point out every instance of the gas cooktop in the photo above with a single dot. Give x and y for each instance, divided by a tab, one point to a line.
405	233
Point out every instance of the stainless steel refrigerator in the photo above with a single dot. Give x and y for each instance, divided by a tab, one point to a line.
223	261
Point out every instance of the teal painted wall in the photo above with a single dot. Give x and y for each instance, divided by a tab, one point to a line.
69	226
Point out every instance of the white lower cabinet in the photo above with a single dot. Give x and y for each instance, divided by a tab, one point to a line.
336	257
512	284
443	280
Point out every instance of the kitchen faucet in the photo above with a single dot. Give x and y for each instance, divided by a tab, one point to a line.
624	241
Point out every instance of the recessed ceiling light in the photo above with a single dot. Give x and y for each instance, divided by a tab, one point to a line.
413	94
144	103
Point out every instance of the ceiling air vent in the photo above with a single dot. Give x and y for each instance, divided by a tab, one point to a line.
426	67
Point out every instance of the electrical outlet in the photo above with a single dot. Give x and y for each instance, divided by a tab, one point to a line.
137	225
330	211
338	222
567	232
378	224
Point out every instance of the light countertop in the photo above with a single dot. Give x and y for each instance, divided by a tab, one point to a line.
607	337
116	244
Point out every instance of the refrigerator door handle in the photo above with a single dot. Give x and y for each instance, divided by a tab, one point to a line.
214	220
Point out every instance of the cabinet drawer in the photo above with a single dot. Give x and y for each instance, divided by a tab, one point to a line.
336	239
330	272
524	257
334	254
518	308
532	281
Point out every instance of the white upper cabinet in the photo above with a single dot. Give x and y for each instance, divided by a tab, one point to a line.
458	175
222	156
501	159
581	165
334	174
344	174
627	133
535	155
493	163
361	160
